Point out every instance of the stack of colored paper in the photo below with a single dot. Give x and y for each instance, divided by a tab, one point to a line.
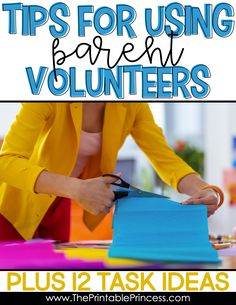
158	229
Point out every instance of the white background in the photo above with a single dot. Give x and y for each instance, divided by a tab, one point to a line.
18	52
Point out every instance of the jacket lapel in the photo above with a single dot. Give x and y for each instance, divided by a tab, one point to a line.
76	114
112	131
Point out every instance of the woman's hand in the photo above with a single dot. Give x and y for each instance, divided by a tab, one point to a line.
208	197
94	195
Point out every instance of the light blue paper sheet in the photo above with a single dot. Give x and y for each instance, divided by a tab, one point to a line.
159	229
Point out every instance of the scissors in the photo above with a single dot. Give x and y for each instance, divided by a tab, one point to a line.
127	190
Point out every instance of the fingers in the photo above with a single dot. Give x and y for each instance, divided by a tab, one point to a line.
207	198
193	201
210	212
206	201
107	210
196	198
104	209
99	210
99	198
202	198
109	180
108	203
109	195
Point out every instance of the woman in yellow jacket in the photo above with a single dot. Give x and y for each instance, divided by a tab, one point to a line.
42	162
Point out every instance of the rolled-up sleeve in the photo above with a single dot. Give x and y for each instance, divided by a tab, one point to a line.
16	168
149	137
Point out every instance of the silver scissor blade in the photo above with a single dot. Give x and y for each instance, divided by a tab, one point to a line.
135	192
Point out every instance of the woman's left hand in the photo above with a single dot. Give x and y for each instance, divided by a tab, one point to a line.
208	197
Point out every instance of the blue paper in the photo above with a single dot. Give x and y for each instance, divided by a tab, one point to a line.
158	229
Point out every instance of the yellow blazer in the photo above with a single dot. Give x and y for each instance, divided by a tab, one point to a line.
47	136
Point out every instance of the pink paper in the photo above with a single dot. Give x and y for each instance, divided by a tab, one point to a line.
40	255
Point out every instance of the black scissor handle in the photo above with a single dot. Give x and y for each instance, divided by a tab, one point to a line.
120	182
119	195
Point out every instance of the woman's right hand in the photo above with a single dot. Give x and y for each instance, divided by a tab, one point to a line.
94	195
